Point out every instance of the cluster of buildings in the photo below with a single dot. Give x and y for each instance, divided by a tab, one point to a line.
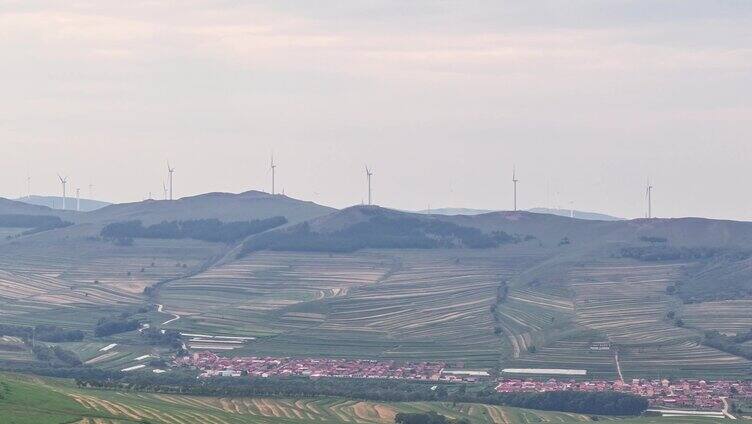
688	394
694	394
213	365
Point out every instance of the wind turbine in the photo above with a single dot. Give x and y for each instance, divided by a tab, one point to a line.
515	181
63	181
164	189
28	186
91	190
169	172
369	174
649	197
78	200
272	168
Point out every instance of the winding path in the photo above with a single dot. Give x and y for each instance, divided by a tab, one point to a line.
176	317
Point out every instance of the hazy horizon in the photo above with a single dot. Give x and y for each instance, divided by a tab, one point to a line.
440	99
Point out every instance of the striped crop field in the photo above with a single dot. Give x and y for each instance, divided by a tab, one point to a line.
248	295
433	306
426	305
76	282
729	316
629	305
526	316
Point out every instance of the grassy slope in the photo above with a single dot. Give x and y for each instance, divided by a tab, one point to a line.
27	401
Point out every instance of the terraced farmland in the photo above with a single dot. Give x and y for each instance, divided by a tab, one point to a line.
729	316
388	304
526	317
629	305
248	296
77	281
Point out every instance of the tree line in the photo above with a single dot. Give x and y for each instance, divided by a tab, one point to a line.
212	230
661	252
603	403
734	345
430	417
381	232
34	223
42	332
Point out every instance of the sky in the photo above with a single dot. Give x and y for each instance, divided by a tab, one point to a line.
587	99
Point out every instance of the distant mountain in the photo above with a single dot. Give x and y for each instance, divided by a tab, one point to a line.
373	227
576	214
561	212
454	211
223	206
14	207
386	228
56	202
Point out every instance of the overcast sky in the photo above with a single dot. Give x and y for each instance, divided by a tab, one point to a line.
441	98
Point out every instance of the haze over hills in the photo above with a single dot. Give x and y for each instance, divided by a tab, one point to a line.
552	228
576	214
454	211
56	202
9	207
244	206
561	212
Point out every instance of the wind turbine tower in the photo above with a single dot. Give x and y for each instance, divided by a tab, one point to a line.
369	174
272	168
649	196
164	189
515	181
78	200
28	186
169	172
63	181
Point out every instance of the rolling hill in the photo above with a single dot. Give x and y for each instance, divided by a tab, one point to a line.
561	212
14	207
576	214
549	229
56	202
222	206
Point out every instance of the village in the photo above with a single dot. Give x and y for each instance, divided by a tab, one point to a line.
692	394
213	365
661	393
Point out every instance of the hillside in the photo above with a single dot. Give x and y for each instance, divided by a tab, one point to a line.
576	214
560	212
454	211
223	206
56	202
361	227
14	207
358	221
